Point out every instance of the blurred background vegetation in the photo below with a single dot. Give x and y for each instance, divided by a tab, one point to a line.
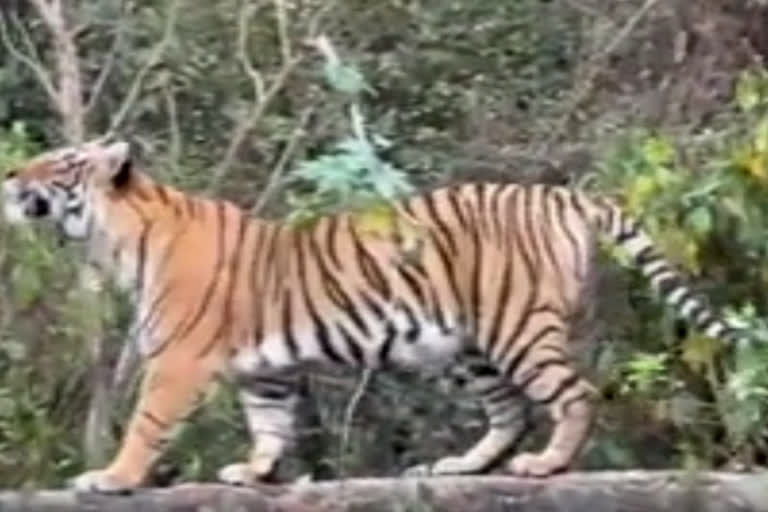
661	103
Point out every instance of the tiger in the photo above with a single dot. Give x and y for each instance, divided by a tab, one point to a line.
487	273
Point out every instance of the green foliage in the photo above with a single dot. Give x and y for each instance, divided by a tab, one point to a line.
352	175
344	78
645	372
41	347
699	197
14	146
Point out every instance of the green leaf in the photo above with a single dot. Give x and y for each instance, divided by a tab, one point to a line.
27	284
7	407
658	151
748	91
760	137
699	352
645	370
700	220
344	78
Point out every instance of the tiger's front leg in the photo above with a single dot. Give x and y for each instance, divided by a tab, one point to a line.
173	387
269	404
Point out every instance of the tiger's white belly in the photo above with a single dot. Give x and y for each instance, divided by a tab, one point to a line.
431	350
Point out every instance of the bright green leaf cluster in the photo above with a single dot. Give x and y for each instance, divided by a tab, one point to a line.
351	175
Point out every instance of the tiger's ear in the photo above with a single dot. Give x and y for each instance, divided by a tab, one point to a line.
114	166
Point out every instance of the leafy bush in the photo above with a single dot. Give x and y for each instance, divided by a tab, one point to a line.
38	439
699	195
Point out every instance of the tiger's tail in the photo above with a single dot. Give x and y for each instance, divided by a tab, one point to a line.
664	278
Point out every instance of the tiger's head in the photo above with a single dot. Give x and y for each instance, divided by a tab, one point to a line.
64	184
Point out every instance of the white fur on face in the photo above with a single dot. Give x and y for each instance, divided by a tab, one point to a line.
75	226
66	212
66	203
13	206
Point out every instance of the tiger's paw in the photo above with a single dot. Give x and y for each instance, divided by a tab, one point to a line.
455	465
417	471
100	481
238	474
536	465
244	474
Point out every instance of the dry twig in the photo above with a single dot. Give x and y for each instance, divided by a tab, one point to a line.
151	62
175	147
106	67
69	97
349	413
282	30
263	96
288	151
37	68
581	93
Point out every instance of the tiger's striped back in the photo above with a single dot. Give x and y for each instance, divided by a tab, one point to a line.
490	256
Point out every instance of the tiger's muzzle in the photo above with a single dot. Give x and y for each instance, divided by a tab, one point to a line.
22	203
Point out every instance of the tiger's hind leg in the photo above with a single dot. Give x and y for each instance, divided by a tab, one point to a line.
269	404
539	367
508	414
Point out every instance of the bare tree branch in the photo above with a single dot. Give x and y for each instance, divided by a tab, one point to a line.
282	30
174	132
152	61
246	124
582	92
279	169
588	10
107	66
29	45
257	79
349	411
323	45
263	97
96	435
313	27
69	99
42	75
